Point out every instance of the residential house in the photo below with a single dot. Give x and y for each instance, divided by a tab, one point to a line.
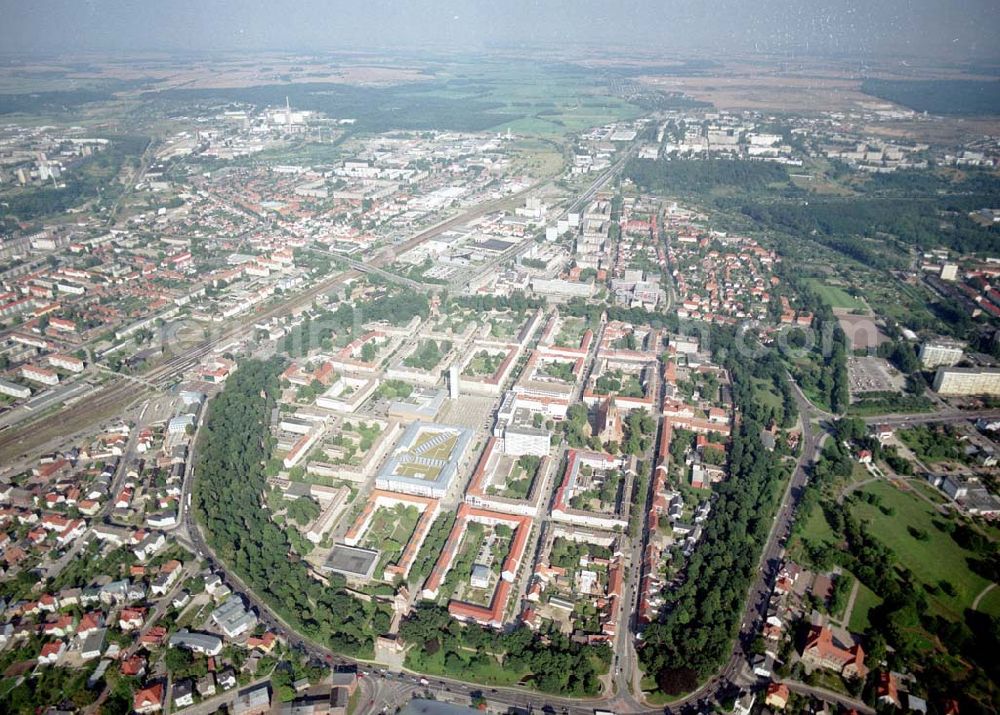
182	694
131	619
887	689
204	643
252	701
51	652
134	667
227	679
206	686
148	700
777	695
93	644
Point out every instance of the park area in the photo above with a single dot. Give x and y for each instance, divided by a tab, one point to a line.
921	539
904	516
512	478
618	382
559	370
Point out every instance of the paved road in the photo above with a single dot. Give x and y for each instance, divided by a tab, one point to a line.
379	690
989	587
28	435
733	672
951	415
212	704
896	419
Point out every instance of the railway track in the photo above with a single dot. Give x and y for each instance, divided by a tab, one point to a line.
20	440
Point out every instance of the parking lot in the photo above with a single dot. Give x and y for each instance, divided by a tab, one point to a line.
872	374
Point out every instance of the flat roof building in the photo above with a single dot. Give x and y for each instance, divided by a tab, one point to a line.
352	562
967	381
426	460
421	404
937	353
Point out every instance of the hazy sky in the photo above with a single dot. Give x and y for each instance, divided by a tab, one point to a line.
956	28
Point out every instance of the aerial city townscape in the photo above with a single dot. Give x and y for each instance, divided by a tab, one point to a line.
559	376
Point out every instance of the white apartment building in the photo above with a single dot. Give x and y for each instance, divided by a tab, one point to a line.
967	381
941	352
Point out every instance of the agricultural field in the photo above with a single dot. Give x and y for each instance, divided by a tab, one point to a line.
546	101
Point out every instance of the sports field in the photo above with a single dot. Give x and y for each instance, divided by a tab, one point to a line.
836	297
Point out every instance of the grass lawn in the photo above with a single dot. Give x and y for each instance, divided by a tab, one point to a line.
894	299
390	530
764	393
655	696
483	363
571	333
927	490
991	529
827	679
932	560
850	579
193	616
418	471
503	328
836	297
991	603
815	528
484	671
353	701
865	601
